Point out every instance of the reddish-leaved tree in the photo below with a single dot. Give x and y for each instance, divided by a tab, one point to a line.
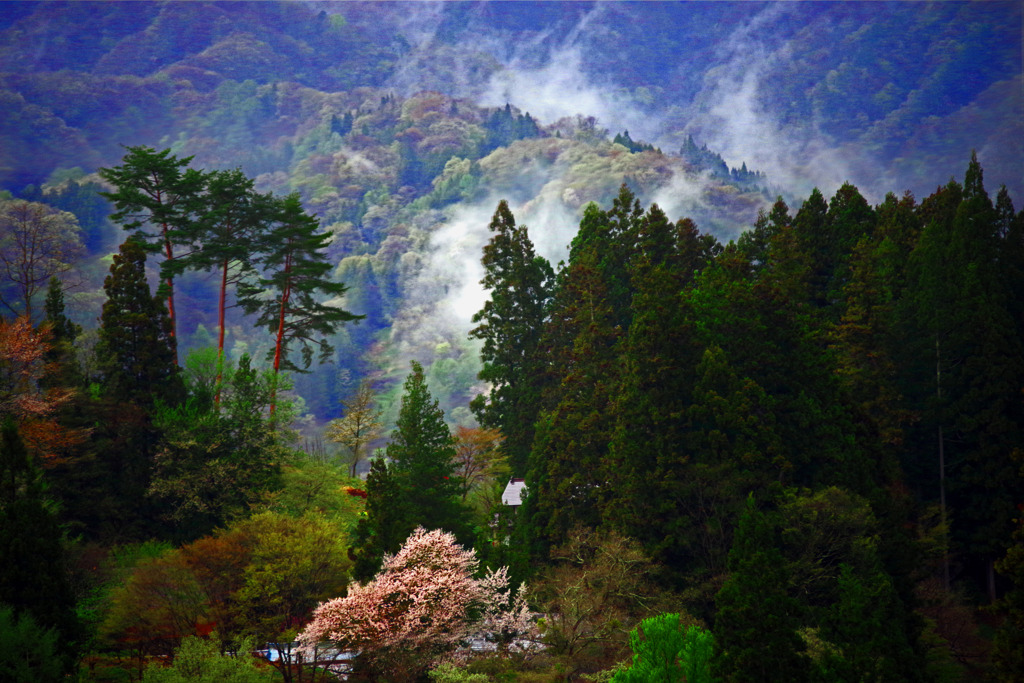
24	396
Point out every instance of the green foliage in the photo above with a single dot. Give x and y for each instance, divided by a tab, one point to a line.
649	446
28	652
213	465
295	270
33	577
568	459
294	563
155	196
198	660
312	487
449	673
422	450
665	649
384	526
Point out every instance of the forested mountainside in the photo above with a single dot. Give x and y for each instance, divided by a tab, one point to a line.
836	89
389	123
731	286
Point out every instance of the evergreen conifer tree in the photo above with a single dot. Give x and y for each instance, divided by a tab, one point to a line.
510	326
648	449
422	453
297	271
568	471
33	577
66	371
755	243
418	487
230	225
384	528
866	625
963	368
137	348
136	360
756	625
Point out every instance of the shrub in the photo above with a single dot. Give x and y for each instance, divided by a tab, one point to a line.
449	673
200	661
666	650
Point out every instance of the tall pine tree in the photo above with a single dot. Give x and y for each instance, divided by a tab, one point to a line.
156	197
297	273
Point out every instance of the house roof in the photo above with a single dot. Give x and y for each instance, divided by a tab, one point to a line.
513	494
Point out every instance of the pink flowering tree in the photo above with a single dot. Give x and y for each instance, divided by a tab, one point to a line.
423	606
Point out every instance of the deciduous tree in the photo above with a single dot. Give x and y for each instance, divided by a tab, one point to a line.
598	587
261	578
28	395
421	606
37	242
359	425
478	458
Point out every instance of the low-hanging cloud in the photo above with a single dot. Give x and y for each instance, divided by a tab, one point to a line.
730	117
448	283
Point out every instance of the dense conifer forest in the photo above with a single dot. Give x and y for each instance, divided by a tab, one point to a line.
468	342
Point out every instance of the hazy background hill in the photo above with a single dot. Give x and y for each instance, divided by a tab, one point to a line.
402	124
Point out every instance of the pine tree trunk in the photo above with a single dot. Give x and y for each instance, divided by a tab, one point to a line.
169	254
285	295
